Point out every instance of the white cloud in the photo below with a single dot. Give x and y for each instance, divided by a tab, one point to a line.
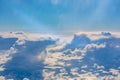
25	79
2	78
63	59
27	36
53	60
92	46
98	35
41	56
6	56
20	42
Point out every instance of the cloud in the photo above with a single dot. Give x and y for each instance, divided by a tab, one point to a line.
2	78
28	57
87	55
85	58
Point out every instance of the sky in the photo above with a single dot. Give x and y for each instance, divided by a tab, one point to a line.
59	16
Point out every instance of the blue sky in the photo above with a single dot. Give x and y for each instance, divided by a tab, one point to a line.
59	15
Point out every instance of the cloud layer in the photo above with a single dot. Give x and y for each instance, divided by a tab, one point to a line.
87	55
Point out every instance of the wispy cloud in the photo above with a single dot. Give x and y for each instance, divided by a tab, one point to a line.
55	2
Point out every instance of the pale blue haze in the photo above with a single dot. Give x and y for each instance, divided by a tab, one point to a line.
59	15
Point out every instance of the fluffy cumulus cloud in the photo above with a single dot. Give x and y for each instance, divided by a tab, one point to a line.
84	56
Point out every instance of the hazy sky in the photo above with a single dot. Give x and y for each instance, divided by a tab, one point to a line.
59	15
